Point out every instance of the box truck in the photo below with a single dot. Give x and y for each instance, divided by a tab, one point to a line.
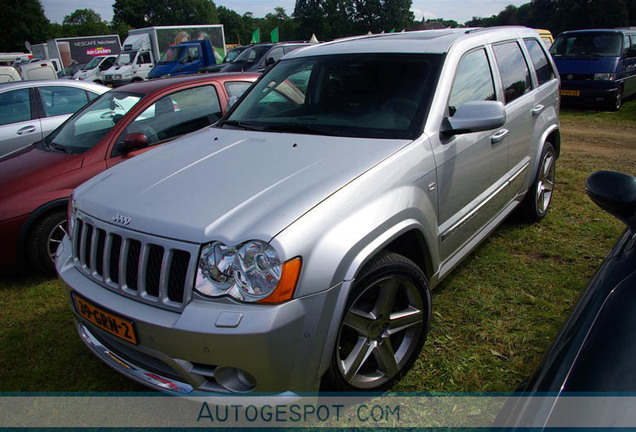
142	49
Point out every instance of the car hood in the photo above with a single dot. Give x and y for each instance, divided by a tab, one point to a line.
585	65
33	167
229	185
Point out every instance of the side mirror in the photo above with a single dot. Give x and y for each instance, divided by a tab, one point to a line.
615	193
270	61
132	142
475	116
631	52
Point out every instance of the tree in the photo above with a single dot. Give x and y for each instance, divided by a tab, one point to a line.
382	15
235	31
144	13
84	22
21	20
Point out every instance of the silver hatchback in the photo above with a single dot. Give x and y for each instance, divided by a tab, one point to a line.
295	242
30	110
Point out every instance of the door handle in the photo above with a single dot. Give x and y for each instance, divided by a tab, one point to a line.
537	110
26	130
499	136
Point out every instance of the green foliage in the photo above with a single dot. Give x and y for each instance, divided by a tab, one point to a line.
82	22
20	21
145	13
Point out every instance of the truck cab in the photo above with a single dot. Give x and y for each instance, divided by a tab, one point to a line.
183	59
133	63
94	70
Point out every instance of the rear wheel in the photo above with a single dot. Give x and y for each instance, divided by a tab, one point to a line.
537	201
385	324
44	239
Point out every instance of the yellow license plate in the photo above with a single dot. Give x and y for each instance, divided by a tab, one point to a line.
570	93
112	323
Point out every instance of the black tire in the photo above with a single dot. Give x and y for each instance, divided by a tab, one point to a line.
618	100
537	201
45	235
98	82
383	328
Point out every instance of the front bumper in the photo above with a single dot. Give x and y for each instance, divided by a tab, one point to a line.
210	346
583	94
110	82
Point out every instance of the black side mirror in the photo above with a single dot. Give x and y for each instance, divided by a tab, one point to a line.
631	52
270	61
615	193
132	142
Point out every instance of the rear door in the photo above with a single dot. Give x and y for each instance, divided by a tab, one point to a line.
19	122
57	103
519	101
472	166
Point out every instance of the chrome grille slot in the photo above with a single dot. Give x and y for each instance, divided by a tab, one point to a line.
149	269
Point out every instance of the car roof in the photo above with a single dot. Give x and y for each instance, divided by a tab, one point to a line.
153	85
423	41
56	82
618	31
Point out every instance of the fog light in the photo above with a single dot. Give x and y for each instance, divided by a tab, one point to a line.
235	380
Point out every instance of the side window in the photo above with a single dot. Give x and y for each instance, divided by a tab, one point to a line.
62	100
193	54
15	106
513	69
473	81
236	88
540	61
176	114
143	58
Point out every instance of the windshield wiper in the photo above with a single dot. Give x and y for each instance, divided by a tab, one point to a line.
243	125
302	128
59	147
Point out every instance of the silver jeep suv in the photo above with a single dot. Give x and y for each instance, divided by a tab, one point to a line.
296	241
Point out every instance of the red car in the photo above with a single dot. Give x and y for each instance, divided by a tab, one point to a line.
36	183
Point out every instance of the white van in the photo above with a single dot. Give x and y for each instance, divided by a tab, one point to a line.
94	70
43	69
9	74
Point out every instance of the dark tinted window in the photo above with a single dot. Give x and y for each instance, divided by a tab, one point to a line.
15	106
588	44
513	70
473	81
540	61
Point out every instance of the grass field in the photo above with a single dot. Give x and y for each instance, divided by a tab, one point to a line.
493	318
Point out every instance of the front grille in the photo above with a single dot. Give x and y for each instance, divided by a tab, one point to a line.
152	270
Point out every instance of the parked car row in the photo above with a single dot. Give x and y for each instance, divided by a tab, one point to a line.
36	180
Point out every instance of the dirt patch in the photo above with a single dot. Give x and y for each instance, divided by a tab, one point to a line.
615	144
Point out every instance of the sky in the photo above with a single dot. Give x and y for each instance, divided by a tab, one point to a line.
458	10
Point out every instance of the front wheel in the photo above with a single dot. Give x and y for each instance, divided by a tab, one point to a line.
537	201
384	326
618	100
44	239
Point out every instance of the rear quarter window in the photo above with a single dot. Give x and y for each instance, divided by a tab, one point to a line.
540	62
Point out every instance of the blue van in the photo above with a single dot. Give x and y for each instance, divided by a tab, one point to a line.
597	67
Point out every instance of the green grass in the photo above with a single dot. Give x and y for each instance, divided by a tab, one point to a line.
493	319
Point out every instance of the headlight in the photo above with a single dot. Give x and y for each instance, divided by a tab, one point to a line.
117	77
71	209
251	272
604	76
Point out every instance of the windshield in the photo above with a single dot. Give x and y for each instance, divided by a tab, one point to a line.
172	54
588	44
92	123
359	95
93	63
125	58
252	55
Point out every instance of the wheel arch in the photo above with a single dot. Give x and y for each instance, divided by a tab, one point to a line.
37	214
